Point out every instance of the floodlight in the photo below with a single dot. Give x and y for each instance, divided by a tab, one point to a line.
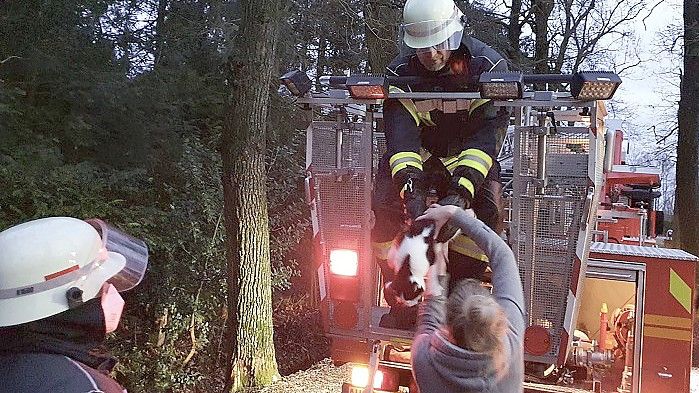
367	86
501	85
297	82
594	85
360	377
344	262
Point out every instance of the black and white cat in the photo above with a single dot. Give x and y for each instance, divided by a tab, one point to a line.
411	257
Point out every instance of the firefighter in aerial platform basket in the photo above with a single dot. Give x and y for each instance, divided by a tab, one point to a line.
442	146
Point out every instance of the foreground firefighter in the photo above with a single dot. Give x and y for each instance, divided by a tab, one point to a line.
471	341
450	150
60	280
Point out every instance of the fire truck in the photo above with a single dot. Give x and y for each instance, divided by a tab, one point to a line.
627	214
607	309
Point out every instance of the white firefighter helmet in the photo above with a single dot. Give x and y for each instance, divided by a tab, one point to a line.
52	264
432	23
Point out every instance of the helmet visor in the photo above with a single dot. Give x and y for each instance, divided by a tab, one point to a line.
134	250
442	34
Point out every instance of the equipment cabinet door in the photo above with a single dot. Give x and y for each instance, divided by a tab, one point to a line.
667	325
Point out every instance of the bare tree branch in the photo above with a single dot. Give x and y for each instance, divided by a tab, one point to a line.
651	12
10	58
626	68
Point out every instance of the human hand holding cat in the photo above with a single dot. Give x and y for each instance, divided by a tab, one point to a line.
438	269
441	214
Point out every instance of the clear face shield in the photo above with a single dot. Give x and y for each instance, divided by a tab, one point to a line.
433	57
432	41
405	50
440	35
134	250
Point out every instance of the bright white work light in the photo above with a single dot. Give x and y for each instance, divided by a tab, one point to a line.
594	85
344	262
501	85
360	377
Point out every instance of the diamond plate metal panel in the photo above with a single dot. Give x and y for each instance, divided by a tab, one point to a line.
642	251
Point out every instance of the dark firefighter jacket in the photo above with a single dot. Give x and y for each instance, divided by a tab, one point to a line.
463	138
51	373
61	353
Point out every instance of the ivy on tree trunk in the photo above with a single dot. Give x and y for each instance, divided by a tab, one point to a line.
252	359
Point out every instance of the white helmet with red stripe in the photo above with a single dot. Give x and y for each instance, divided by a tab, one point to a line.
50	265
432	23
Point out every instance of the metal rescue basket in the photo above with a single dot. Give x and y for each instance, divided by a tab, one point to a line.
339	178
555	160
557	179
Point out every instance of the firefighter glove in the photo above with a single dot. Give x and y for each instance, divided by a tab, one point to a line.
448	231
461	191
414	198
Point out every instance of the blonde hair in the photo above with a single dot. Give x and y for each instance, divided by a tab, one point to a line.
477	323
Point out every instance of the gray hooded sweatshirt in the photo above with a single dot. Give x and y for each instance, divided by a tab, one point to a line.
442	367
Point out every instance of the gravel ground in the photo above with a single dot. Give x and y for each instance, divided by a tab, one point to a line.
323	377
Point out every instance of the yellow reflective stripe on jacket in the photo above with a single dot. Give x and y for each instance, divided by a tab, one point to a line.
427	119
476	159
409	105
465	246
476	103
404	159
478	154
404	165
475	164
450	163
465	183
473	158
404	155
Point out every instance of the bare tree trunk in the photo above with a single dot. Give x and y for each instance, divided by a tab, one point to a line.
687	191
382	18
514	30
159	33
542	12
320	64
125	39
249	329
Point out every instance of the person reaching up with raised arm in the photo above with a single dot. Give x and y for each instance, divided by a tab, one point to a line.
472	340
